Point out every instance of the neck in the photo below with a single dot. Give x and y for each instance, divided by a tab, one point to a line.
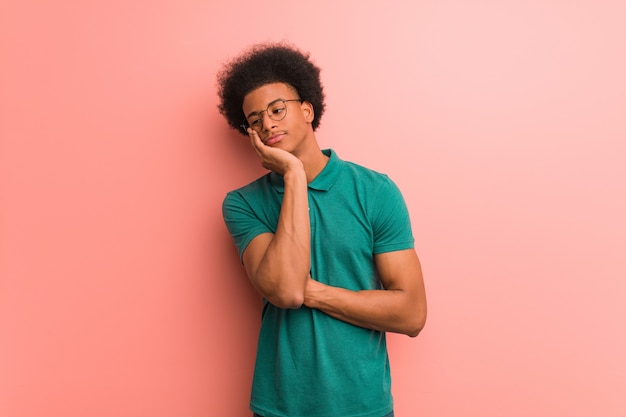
313	160
315	166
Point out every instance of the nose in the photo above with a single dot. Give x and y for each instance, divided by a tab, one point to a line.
268	122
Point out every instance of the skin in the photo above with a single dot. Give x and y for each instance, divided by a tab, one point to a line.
278	264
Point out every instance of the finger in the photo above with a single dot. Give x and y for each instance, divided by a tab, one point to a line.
256	142
254	136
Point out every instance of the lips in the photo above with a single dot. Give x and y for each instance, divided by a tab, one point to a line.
274	139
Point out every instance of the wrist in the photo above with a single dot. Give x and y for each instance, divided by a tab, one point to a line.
295	173
314	293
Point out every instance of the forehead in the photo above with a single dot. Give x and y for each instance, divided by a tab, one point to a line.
259	98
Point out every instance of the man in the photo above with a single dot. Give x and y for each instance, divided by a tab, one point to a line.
327	243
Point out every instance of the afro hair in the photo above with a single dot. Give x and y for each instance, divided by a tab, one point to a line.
263	64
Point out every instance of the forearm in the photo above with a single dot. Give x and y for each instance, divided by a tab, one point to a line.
383	310
284	268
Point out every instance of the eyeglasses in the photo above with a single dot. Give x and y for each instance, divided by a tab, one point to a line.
276	110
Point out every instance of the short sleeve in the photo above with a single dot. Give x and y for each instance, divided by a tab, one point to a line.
241	221
391	220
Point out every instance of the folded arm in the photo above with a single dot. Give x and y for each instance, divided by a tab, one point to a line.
400	307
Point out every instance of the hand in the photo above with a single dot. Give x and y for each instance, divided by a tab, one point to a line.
274	159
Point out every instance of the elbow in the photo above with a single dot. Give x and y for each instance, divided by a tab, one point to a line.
414	331
416	325
287	301
286	295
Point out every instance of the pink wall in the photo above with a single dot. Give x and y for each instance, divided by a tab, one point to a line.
504	122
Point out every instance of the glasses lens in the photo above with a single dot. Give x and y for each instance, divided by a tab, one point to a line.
277	111
256	123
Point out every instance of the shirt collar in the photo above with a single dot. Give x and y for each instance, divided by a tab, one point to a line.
324	180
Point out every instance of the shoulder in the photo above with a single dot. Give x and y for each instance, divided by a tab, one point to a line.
373	187
252	189
367	177
355	169
363	170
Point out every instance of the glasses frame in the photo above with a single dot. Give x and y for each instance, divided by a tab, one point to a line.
245	125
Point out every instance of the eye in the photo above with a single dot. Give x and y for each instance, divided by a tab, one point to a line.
277	110
255	122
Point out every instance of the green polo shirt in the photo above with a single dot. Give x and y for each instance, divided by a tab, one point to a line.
308	363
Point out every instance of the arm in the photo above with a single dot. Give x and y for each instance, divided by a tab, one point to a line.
278	264
400	307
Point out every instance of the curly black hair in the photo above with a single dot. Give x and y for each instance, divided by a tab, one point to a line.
267	63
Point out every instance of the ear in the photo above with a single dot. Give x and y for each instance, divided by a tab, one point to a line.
307	111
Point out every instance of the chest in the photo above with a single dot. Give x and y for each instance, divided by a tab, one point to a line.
340	224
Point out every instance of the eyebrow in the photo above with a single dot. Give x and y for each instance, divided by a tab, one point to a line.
254	113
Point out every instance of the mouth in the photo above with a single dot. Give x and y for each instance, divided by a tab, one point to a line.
275	138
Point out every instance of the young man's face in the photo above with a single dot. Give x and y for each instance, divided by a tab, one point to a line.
276	113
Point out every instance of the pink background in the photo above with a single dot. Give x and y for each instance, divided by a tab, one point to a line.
503	122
